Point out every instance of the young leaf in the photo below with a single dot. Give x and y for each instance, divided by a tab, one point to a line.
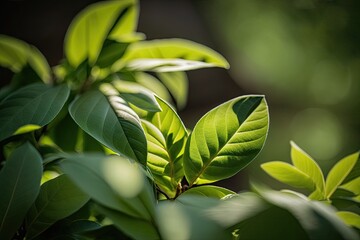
15	54
166	136
137	95
169	55
351	219
35	104
226	139
112	123
88	31
153	84
177	83
306	164
352	186
111	181
288	174
339	172
209	191
58	198
20	185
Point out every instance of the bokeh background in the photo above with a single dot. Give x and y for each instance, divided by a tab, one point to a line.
303	55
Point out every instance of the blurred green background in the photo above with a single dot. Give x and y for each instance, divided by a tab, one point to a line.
304	55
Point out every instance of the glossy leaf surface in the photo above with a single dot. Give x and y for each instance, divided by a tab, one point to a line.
166	136
88	31
226	139
35	104
58	198
169	55
339	172
306	164
288	174
20	185
15	54
111	122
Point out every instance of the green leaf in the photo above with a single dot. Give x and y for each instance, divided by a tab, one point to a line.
111	181
35	104
136	228
58	198
317	219
306	164
111	122
288	174
339	172
90	28
16	54
137	95
166	136
351	219
169	55
209	191
226	140
353	186
177	83
20	185
153	84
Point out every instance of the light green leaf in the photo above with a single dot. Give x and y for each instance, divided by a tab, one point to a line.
58	198
288	174
353	186
111	122
153	84
177	83
137	95
86	34
166	136
226	140
208	191
351	219
111	181
136	228
15	54
26	128
169	55
339	172
306	164
20	185
35	104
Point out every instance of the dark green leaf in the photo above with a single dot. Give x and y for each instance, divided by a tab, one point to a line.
226	139
35	104
209	191
58	198
20	185
112	123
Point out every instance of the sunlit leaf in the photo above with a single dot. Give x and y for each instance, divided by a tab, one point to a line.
289	174
88	31
20	185
168	55
111	181
35	104
306	164
353	186
339	172
209	191
26	128
15	54
138	95
177	83
226	140
58	198
111	122
350	218
166	136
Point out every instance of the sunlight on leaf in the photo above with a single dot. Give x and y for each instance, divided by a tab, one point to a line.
26	128
177	83
350	218
226	140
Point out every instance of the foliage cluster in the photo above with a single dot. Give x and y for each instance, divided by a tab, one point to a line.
94	149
